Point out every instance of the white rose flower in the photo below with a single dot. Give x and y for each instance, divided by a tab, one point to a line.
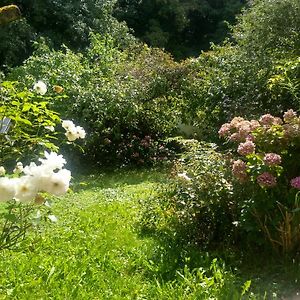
2	171
80	132
7	189
53	161
40	87
71	135
59	182
19	168
26	189
68	125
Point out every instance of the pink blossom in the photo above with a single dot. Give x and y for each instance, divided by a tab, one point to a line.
235	137
244	129
272	159
266	179
295	182
291	130
224	130
250	137
267	119
277	121
289	116
239	170
254	124
235	122
246	148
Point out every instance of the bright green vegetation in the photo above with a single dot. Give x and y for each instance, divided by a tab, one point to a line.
96	251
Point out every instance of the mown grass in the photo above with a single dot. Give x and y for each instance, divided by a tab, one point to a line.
96	251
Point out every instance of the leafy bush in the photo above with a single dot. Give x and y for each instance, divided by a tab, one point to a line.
198	207
234	79
268	167
116	95
30	119
68	22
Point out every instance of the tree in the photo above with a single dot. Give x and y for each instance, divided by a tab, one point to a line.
66	22
183	27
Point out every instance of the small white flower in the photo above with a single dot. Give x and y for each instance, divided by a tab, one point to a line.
2	171
68	125
53	161
26	189
80	132
71	135
59	182
7	189
19	168
40	87
50	128
184	176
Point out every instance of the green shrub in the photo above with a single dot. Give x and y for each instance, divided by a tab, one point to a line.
198	207
115	95
60	23
30	117
234	79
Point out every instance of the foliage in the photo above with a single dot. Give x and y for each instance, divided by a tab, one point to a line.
30	117
116	95
183	28
269	163
235	78
199	206
17	219
68	22
285	83
13	51
113	260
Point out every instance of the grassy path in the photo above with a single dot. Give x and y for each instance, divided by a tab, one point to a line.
96	251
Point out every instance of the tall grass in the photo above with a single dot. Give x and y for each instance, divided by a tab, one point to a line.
96	251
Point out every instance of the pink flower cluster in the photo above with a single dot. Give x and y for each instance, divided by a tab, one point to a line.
246	148
266	179
291	130
238	129
239	170
289	116
272	159
256	137
295	182
268	120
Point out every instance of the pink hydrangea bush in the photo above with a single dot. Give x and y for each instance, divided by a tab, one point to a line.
267	165
262	144
266	179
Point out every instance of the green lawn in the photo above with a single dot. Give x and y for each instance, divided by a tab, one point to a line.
96	251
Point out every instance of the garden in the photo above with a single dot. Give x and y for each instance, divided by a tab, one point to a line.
135	167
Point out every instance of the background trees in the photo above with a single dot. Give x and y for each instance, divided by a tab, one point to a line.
59	22
182	27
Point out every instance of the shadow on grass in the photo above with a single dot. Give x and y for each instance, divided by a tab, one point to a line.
115	178
272	276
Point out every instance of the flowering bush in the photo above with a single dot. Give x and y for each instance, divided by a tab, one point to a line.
115	94
268	161
25	122
198	205
48	177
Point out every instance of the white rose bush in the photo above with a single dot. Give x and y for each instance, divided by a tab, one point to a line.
49	176
25	188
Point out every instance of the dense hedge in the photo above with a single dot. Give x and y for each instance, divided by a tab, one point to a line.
121	97
257	70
